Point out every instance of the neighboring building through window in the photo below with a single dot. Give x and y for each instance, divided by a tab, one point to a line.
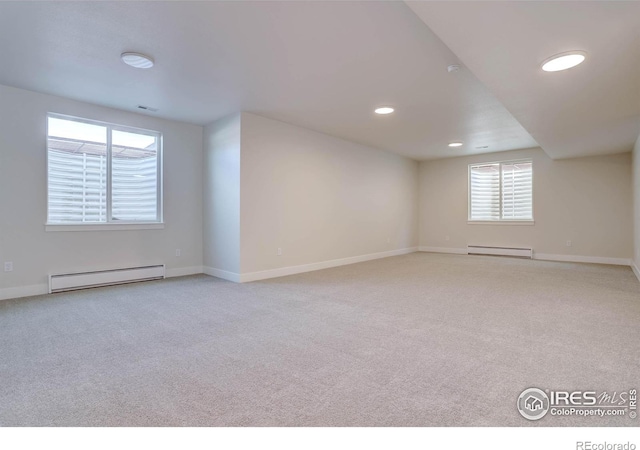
501	191
102	173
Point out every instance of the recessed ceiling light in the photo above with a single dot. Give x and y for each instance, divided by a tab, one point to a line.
455	144
564	61
384	110
137	60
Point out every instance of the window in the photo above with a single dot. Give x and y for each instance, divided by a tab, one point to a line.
99	173
501	191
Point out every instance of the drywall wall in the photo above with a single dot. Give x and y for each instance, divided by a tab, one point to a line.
35	253
636	208
222	196
319	198
584	200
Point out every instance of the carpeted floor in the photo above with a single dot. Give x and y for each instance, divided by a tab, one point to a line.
415	340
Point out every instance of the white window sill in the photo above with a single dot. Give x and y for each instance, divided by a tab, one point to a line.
501	222
104	226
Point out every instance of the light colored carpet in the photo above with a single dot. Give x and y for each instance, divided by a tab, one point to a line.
415	340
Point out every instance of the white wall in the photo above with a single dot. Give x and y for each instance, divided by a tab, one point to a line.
585	200
636	207
23	195
222	195
318	198
263	185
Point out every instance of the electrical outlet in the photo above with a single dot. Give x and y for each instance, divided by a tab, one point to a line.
279	253
178	252
568	243
8	266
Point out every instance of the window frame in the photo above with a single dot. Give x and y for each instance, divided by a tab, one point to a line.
109	224
500	221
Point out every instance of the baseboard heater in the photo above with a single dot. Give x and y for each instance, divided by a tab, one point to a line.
85	280
516	252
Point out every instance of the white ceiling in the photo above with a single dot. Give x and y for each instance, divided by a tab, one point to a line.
591	109
327	65
324	66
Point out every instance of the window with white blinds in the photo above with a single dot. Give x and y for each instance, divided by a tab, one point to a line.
102	173
501	191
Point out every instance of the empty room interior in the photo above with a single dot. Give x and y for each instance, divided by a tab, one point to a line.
318	213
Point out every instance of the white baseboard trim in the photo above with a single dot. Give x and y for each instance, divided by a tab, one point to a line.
635	269
24	291
183	271
292	270
582	259
545	257
455	251
219	273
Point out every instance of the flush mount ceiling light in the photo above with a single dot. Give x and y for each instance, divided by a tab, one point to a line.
137	60
564	61
384	110
455	144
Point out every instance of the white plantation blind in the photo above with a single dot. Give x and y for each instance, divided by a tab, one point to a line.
77	187
99	173
485	192
517	191
501	191
134	189
134	181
